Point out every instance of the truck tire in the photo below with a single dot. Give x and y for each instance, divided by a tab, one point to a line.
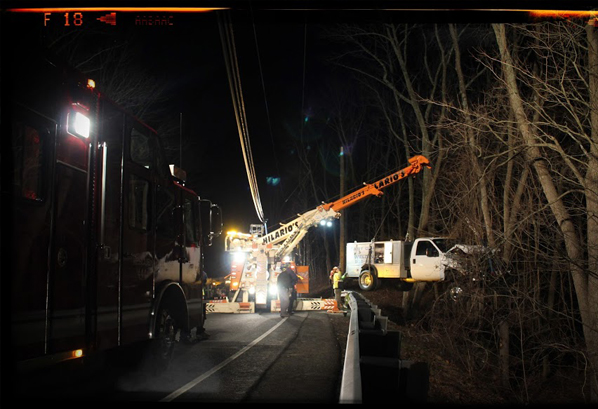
368	280
166	335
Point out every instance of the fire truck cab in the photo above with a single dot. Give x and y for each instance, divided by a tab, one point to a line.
105	244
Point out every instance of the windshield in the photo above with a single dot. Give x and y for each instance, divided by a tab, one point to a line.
444	245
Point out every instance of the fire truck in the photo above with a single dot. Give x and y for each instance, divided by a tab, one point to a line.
106	243
258	257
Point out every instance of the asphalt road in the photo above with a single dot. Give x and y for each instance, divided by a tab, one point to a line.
248	358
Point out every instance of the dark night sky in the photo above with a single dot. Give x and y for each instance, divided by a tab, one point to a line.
199	87
189	57
200	90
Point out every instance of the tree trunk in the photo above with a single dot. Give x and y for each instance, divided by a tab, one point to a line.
473	146
343	219
426	147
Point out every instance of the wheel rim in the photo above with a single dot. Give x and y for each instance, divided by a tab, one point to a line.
366	279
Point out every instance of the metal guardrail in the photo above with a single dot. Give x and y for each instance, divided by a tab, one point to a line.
373	370
351	379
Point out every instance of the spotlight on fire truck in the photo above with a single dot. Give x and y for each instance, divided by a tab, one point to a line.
78	124
326	223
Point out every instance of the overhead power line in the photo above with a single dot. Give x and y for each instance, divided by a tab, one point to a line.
234	80
259	60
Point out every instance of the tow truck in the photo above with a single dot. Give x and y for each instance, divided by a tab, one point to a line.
258	257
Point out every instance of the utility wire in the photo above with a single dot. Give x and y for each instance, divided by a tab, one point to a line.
259	61
234	79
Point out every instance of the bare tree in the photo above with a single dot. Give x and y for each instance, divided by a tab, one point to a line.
517	165
380	56
562	149
114	61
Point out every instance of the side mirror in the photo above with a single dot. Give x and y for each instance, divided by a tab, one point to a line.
211	220
216	221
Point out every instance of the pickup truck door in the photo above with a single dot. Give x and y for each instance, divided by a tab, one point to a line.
425	261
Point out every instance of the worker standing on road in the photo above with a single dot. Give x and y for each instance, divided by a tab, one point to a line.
337	280
284	283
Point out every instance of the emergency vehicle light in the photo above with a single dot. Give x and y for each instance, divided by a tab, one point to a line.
237	234
78	124
91	84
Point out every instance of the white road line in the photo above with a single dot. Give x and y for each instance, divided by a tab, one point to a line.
218	367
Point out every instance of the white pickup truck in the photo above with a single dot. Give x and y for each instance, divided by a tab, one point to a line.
424	259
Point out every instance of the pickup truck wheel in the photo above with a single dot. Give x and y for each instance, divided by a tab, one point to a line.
367	280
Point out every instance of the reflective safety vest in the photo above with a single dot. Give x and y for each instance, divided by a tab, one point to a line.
337	278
